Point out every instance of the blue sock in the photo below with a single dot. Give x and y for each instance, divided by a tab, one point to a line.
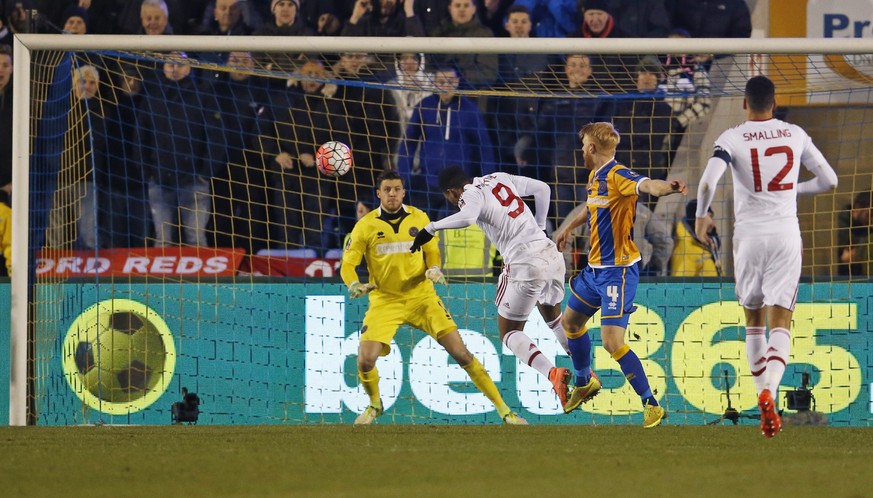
634	373
580	353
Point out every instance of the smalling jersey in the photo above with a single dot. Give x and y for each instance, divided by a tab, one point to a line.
613	190
494	202
765	158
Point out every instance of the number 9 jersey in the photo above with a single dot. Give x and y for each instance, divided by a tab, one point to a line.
494	202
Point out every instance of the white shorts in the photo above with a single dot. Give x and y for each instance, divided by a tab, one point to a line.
767	270
539	278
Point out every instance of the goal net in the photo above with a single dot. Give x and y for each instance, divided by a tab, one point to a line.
173	231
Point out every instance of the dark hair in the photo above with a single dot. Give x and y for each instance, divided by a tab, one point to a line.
445	67
388	174
863	200
515	9
6	50
760	93
691	211
452	177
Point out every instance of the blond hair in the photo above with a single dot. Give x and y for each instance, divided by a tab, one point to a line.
80	74
603	134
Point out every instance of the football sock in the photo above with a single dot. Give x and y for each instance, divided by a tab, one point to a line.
634	373
483	382
370	381
580	353
558	330
778	351
756	347
525	350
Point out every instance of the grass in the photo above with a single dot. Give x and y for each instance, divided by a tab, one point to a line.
425	460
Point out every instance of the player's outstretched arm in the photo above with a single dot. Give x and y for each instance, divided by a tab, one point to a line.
565	232
660	188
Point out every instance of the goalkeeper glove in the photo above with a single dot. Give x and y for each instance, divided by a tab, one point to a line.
422	238
357	289
435	275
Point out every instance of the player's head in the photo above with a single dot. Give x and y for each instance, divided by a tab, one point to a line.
451	182
760	94
390	191
599	141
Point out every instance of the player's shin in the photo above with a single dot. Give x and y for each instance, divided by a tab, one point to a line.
778	352
579	346
633	371
756	348
370	381
558	329
483	382
527	352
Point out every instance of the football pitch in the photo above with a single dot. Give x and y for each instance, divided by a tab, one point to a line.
435	460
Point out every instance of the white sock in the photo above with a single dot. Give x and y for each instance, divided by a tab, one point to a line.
778	351
526	351
558	330
756	347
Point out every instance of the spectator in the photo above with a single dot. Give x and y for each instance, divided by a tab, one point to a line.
513	67
646	124
653	237
181	134
640	18
285	21
515	117
559	120
385	19
320	16
309	117
75	20
855	236
126	191
412	85
240	189
445	129
155	18
88	121
152	17
226	19
15	20
687	86
432	13
6	117
478	69
552	18
712	18
691	257
598	22
373	124
493	15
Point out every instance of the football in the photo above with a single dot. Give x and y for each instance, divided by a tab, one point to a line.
120	355
334	158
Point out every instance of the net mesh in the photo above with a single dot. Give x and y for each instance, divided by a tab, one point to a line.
177	193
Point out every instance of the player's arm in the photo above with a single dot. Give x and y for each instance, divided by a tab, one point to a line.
825	176
565	232
470	204
542	196
660	188
715	168
352	257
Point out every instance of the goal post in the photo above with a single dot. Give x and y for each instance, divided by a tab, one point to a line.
274	349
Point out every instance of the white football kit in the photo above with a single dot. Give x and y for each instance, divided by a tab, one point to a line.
533	268
765	159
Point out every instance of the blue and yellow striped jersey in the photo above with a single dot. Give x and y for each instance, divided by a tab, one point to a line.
612	206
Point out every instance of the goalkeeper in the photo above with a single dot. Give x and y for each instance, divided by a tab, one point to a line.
402	291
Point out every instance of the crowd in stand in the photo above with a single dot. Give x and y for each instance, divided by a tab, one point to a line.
229	156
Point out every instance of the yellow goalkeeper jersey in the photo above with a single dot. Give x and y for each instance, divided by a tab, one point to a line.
384	240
